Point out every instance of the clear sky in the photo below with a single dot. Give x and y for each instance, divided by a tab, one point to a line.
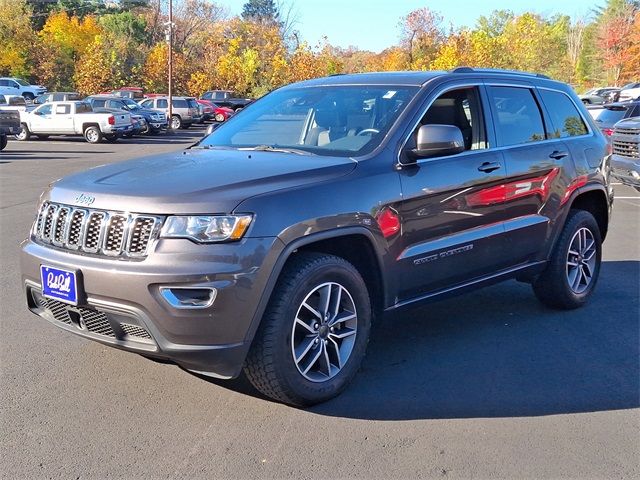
373	24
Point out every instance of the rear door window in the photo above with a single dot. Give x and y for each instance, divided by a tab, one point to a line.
179	103
98	103
565	117
516	115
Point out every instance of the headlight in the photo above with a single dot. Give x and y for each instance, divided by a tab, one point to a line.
206	228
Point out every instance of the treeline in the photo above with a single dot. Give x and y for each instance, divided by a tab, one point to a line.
97	45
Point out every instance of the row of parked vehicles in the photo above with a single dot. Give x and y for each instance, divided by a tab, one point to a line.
109	116
603	95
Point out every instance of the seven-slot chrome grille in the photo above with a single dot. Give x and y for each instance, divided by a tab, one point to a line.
626	142
102	232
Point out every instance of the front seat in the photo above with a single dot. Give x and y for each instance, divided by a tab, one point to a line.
329	127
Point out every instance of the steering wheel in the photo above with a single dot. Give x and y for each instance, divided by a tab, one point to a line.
366	131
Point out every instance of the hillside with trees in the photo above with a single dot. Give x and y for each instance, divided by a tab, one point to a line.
97	45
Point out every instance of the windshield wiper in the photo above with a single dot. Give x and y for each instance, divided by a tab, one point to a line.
271	148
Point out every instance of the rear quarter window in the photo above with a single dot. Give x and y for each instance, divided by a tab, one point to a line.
565	117
179	103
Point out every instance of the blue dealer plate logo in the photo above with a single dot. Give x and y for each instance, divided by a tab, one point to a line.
59	284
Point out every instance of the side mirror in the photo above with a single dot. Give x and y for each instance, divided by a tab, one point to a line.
437	140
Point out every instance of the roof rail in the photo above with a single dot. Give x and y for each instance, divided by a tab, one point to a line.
496	70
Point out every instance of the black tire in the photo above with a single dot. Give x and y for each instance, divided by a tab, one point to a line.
219	117
3	142
111	138
28	96
24	134
175	122
553	287
270	365
92	134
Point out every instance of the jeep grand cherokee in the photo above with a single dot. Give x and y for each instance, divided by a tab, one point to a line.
272	244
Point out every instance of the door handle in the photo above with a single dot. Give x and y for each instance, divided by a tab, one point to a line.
489	167
558	154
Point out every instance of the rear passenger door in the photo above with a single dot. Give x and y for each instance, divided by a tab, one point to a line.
537	165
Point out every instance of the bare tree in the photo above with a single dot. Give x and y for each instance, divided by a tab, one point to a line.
575	39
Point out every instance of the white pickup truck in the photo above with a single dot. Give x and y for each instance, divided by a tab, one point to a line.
73	118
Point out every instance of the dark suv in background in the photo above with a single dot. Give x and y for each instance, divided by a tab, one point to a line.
273	244
155	121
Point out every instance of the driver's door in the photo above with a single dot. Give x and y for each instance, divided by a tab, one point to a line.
42	120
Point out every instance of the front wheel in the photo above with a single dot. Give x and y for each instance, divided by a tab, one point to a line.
93	134
314	333
24	134
219	117
573	269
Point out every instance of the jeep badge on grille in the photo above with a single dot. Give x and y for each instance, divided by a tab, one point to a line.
83	199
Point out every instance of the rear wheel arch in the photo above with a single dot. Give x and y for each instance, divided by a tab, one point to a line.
594	201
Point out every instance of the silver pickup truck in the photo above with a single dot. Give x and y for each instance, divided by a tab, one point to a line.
73	118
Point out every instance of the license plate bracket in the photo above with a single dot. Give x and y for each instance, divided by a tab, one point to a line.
60	284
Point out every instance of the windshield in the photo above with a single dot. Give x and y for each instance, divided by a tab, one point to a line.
22	82
130	104
331	120
611	115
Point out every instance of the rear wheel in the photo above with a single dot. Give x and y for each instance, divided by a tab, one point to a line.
28	96
24	134
573	269
314	333
3	142
219	117
93	134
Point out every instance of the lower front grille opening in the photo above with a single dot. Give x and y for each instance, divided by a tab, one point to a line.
111	325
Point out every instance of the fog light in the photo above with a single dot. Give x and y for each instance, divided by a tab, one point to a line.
188	297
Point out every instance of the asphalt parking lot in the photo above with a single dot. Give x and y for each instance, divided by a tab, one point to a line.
486	385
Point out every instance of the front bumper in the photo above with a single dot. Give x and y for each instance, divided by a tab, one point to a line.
626	170
121	305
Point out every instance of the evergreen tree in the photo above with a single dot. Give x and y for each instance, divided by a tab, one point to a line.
264	11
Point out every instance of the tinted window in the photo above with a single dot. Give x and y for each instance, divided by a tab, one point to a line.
565	117
2	99
83	107
115	104
147	104
162	104
3	83
178	103
98	103
517	115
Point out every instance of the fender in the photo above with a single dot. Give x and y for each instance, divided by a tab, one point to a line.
288	251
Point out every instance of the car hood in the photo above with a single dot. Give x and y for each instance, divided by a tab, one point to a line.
633	122
193	181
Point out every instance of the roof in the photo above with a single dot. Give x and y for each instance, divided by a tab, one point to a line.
415	78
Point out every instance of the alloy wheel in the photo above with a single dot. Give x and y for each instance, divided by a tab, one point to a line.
581	260
324	332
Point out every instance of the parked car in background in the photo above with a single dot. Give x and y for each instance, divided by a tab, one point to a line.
625	160
134	93
57	97
226	98
154	121
595	110
13	102
631	91
612	113
184	110
597	96
206	110
220	114
17	86
73	118
9	125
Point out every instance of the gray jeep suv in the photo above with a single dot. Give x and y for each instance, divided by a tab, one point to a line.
272	245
